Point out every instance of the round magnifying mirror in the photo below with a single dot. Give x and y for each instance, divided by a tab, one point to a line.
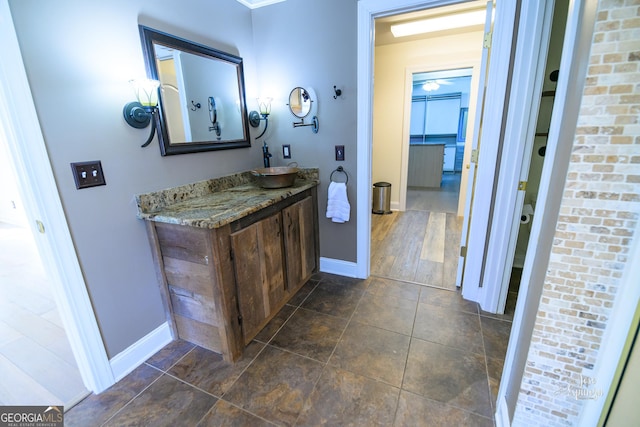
300	102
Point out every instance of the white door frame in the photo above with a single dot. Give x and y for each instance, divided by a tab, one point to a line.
368	10
519	129
406	126
494	108
39	193
573	67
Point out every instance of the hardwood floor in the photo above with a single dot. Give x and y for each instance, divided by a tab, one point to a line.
421	244
37	366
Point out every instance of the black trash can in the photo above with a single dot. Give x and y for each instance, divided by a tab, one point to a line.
381	198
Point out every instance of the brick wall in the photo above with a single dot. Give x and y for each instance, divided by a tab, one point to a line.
600	207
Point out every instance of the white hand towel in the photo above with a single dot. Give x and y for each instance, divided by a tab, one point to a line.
338	208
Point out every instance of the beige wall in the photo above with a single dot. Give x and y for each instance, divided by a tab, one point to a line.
391	63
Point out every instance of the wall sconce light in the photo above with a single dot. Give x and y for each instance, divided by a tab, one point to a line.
139	113
264	105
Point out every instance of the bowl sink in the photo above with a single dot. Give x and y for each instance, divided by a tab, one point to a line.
275	177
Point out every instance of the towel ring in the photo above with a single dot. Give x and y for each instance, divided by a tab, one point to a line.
339	169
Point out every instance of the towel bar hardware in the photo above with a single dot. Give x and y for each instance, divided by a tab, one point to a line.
339	169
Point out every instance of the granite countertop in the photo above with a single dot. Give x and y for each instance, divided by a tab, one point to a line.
219	201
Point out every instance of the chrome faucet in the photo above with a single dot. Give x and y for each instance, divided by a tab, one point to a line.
266	154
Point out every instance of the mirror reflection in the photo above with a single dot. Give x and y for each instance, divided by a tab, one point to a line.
202	101
300	102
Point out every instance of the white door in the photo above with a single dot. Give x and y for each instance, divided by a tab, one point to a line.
508	131
471	151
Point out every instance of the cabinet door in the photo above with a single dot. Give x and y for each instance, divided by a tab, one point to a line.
258	263
299	242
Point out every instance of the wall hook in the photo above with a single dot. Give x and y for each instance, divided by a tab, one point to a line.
337	91
195	106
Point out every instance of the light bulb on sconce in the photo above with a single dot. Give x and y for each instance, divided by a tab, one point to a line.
140	113
264	106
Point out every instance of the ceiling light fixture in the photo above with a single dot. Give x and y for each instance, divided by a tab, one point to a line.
430	85
440	23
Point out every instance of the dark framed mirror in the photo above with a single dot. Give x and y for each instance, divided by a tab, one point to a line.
201	103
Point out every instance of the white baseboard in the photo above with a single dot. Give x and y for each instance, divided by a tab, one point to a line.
339	267
502	414
129	359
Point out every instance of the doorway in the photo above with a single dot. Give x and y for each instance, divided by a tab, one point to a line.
42	205
419	141
36	360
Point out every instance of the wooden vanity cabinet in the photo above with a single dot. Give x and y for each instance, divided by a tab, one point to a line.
272	259
221	286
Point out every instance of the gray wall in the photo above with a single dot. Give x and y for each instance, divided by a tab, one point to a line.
79	57
312	43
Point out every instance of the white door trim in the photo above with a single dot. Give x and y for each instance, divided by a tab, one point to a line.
41	199
368	10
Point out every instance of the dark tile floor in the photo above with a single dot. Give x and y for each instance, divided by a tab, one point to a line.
343	352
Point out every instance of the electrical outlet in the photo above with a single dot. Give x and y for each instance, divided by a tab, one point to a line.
339	152
88	174
286	151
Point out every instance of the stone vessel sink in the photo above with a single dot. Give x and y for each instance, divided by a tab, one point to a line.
275	177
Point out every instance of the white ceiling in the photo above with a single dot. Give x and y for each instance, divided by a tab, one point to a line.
254	4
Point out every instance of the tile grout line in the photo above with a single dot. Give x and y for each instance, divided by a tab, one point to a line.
162	372
406	362
426	285
486	368
288	317
315	384
238	407
137	395
265	345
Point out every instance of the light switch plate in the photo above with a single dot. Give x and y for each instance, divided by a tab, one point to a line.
340	153
88	174
286	151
